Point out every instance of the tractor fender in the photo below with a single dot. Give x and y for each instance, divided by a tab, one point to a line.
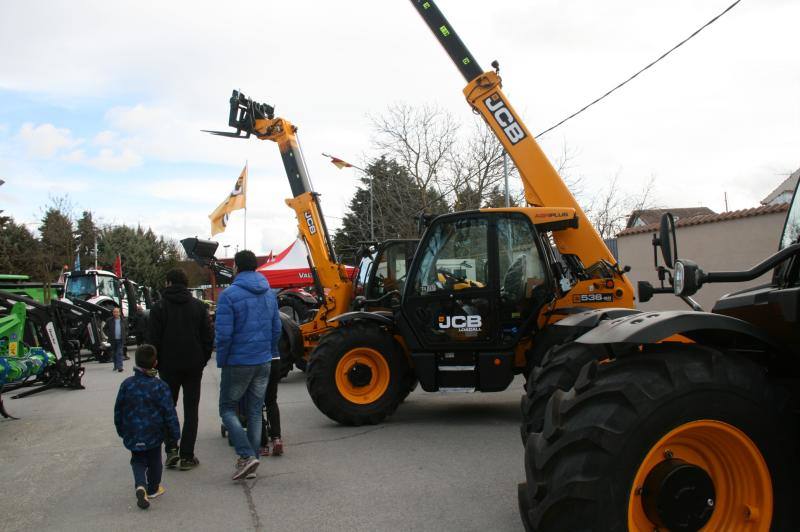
301	295
104	301
589	318
382	317
652	327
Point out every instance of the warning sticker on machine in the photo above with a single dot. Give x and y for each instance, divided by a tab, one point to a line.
593	298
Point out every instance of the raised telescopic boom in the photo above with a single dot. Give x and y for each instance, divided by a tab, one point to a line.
333	286
543	186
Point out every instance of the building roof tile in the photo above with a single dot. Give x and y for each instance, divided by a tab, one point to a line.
710	218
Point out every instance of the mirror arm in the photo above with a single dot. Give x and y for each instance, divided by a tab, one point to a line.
692	303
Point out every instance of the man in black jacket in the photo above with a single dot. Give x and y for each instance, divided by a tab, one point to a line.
180	329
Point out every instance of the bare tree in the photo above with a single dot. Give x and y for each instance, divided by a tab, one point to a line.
421	140
610	208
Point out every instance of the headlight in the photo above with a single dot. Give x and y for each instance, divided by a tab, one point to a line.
679	279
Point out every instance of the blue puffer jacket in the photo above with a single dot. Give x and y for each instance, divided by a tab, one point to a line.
144	413
248	323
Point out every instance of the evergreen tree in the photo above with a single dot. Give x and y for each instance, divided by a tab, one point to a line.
86	236
57	239
397	204
19	250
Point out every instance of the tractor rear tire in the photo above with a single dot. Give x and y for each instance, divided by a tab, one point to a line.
599	460
358	374
558	370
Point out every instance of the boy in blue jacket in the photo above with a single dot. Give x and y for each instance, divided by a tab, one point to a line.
248	327
144	414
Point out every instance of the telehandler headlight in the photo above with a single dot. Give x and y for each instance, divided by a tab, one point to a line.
687	278
679	279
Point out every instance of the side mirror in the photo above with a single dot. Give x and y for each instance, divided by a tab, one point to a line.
667	240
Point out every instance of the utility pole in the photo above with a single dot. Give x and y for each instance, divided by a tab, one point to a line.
371	215
505	176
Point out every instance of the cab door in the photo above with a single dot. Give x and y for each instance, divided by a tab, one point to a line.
477	279
450	295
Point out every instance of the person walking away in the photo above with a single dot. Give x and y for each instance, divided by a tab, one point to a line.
180	329
116	330
143	414
248	328
271	435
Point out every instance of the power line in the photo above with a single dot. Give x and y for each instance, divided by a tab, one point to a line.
665	54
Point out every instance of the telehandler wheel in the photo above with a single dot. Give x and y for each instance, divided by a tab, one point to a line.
675	438
558	370
357	374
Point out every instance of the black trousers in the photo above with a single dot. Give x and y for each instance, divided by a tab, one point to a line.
146	467
271	400
190	381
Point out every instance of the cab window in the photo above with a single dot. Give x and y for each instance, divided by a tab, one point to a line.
454	258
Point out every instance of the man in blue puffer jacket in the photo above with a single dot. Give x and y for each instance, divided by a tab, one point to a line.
248	327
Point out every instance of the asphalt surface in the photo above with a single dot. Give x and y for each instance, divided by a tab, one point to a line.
442	462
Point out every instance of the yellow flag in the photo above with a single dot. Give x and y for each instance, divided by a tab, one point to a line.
236	200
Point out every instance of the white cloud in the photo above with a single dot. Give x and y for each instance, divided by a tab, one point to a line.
108	159
105	138
45	141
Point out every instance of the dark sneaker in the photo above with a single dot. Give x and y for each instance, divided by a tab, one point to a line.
264	451
141	498
159	492
172	458
245	466
277	447
188	463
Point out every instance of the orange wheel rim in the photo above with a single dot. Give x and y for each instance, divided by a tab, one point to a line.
362	375
742	484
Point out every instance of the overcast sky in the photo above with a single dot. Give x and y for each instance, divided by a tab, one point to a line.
104	101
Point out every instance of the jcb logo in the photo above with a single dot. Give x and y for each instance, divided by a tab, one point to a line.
505	119
312	228
464	323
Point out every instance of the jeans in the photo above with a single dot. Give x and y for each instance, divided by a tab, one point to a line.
190	380
117	346
249	382
147	468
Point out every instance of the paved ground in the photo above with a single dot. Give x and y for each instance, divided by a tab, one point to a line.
442	462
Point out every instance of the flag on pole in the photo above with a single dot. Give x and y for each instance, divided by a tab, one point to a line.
118	265
338	163
235	200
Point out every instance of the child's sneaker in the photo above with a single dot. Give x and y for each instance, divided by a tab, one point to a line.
159	492
141	498
245	466
277	447
172	458
188	463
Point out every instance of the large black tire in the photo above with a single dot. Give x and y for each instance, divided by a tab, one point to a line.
558	370
322	368
580	468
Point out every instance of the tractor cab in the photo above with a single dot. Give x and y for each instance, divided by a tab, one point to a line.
100	287
382	272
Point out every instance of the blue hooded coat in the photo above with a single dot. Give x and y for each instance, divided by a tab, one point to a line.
248	325
144	412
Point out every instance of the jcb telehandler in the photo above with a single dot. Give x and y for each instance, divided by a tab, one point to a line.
684	420
478	302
